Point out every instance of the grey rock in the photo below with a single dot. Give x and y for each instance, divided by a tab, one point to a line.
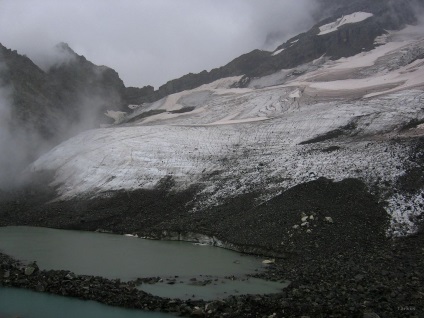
70	276
328	219
371	315
29	270
197	312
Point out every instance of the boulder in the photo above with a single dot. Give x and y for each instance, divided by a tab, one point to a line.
328	219
29	270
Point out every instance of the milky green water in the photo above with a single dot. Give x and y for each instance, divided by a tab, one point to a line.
117	256
28	304
219	288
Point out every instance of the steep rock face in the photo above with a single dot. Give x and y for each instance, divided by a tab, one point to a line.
78	79
48	107
30	91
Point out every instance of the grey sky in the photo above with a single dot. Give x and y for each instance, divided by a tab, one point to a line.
152	41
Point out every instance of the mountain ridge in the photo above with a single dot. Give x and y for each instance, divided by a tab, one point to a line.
350	40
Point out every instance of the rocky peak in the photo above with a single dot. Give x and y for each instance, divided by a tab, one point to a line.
64	47
47	107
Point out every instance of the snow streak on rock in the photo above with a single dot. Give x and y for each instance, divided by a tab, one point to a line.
350	18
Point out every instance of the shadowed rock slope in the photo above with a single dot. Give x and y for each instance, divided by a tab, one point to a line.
51	106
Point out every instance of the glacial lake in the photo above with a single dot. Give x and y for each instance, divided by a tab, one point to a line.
28	304
186	270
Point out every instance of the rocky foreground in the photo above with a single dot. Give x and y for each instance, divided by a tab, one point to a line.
387	282
341	264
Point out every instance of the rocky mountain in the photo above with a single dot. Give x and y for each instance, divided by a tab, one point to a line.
347	41
31	90
44	107
50	102
85	88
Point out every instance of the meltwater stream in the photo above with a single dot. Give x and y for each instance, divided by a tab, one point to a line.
186	270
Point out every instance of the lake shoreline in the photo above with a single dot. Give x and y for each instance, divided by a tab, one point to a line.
87	287
348	285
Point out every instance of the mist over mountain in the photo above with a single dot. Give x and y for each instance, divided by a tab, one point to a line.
41	108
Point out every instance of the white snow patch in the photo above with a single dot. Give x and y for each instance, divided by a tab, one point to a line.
116	115
295	94
382	39
363	84
221	86
171	101
168	116
223	83
412	76
351	18
232	91
318	60
404	210
228	121
369	58
277	52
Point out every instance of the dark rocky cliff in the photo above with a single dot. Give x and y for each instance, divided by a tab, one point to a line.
49	103
42	108
29	88
80	78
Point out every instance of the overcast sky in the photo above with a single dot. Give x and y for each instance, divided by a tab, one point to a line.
152	41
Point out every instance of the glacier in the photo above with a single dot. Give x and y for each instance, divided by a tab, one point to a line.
334	119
